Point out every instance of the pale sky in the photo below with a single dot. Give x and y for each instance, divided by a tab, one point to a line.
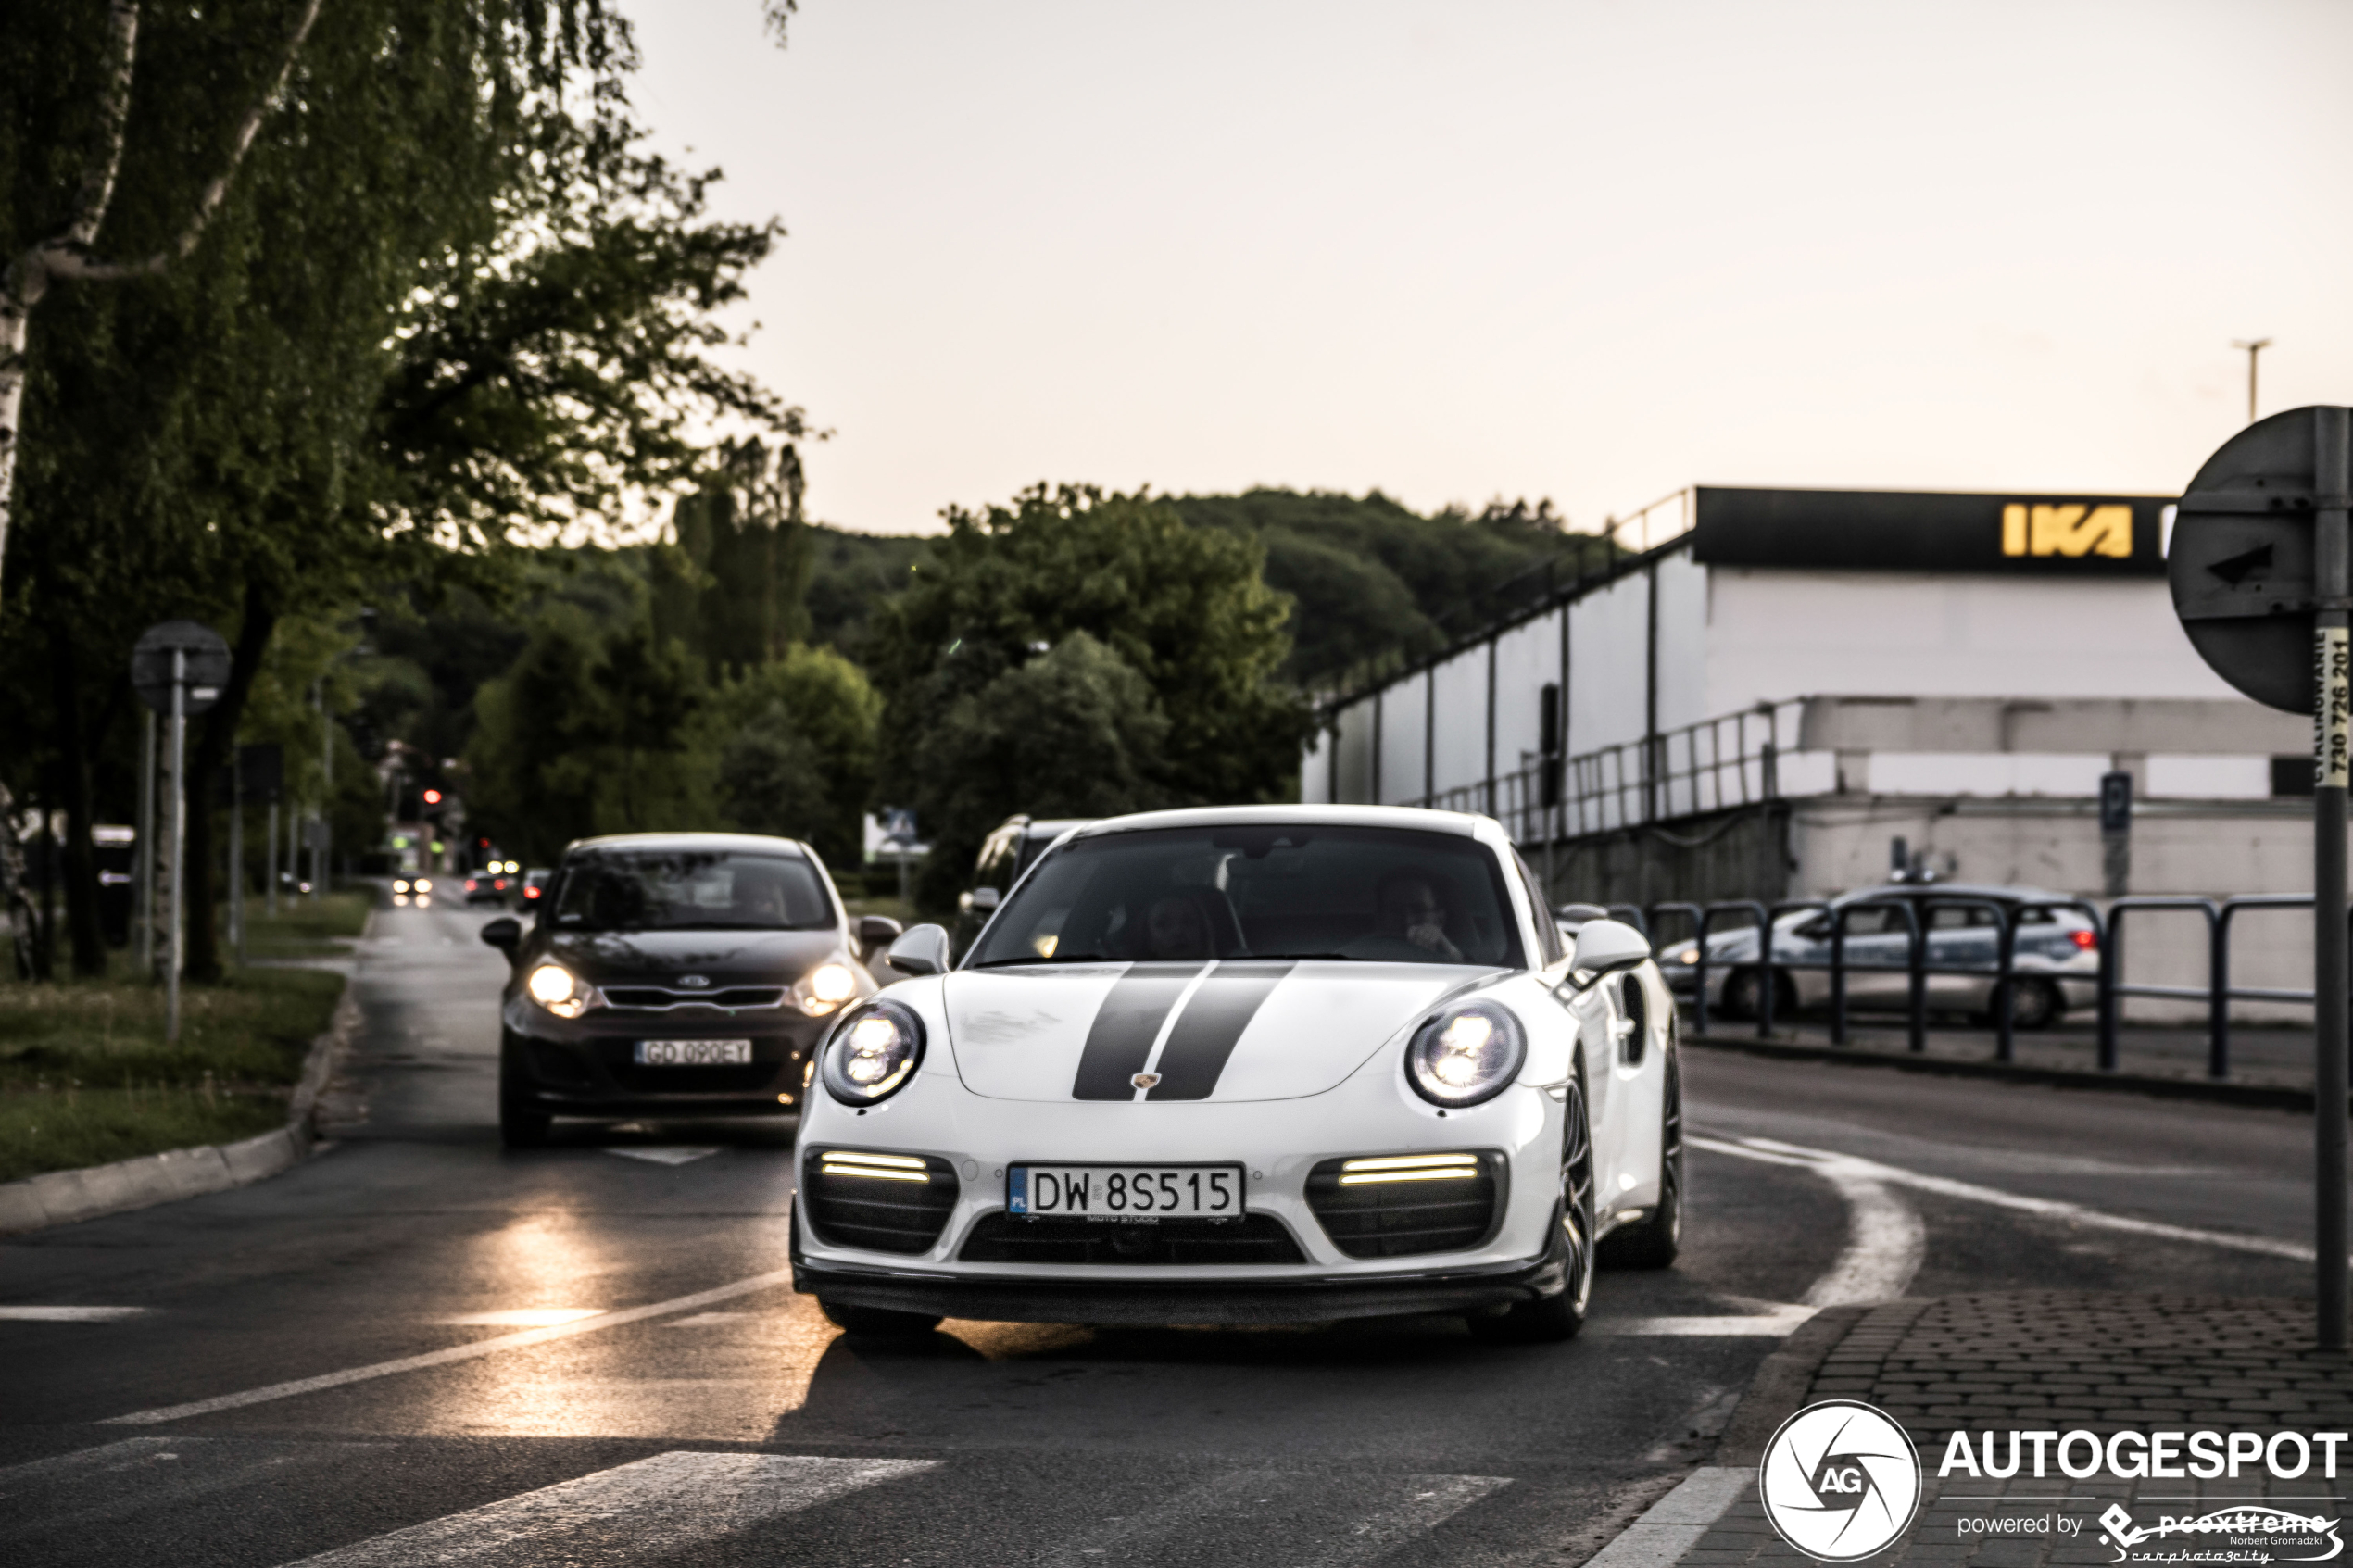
1590	251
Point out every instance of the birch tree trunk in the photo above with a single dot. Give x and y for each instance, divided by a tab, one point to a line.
67	253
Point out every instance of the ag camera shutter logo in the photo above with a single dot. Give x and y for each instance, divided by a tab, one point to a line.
1840	1481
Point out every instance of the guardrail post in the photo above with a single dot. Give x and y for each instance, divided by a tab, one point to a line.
2005	990
1838	973
2217	987
2111	975
1917	952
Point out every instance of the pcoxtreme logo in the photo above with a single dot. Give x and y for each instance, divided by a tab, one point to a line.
1840	1481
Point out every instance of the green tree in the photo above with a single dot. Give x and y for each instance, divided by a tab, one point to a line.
734	585
447	298
591	731
1186	610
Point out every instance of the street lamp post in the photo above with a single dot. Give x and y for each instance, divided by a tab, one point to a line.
2254	347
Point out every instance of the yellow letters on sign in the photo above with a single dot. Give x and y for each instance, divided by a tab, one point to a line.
2067	531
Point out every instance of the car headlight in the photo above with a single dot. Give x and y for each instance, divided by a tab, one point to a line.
871	1053
401	884
825	988
1465	1054
424	884
559	990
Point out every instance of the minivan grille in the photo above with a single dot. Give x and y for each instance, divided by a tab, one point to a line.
1399	1218
883	1202
1254	1239
656	998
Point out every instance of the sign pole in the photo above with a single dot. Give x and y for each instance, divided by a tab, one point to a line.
178	846
237	852
143	892
2332	736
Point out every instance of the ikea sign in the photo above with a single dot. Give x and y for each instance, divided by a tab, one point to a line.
1926	530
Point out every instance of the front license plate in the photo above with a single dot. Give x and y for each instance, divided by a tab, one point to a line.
1125	1192
694	1053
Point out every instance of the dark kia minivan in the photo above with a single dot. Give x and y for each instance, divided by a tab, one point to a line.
674	974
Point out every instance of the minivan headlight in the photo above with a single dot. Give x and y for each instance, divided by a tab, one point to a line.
559	990
1465	1054
871	1053
825	987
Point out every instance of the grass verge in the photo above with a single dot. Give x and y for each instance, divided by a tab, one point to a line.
302	928
85	1077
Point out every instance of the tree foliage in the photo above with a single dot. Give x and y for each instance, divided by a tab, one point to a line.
448	301
1184	612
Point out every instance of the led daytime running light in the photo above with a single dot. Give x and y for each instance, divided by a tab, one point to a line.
1410	1168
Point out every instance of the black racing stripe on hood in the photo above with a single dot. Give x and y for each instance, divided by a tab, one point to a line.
1212	1022
1120	1040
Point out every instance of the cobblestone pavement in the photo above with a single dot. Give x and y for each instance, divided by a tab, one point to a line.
2065	1362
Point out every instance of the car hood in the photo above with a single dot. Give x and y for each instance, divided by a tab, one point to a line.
724	958
1236	1030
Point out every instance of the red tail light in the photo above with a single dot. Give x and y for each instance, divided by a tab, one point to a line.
531	892
2087	940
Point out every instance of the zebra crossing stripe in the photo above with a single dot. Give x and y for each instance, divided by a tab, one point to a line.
661	1504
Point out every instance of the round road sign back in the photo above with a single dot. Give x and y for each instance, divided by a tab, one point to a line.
2241	562
207	666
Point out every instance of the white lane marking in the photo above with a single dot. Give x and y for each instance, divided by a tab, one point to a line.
1410	1505
664	1156
713	1319
1885	1243
110	1456
70	1314
522	1317
654	1506
1760	1325
1429	1501
1778	1153
1673	1524
767	1281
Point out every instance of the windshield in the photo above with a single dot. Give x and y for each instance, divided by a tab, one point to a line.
691	890
1380	894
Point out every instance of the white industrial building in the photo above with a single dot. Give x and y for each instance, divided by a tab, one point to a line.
1771	687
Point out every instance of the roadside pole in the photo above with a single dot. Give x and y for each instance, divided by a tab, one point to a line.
177	669
2261	574
269	863
2331	734
143	887
172	930
237	854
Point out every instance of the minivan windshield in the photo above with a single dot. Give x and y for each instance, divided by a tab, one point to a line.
690	890
1309	891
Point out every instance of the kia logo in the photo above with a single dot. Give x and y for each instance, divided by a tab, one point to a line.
693	982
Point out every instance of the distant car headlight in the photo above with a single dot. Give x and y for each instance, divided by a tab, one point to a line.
401	884
871	1053
1689	955
825	988
559	990
1465	1054
424	884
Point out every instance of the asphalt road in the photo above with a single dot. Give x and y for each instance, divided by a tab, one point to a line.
714	1417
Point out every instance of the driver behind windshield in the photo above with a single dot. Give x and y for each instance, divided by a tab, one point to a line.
691	890
1410	914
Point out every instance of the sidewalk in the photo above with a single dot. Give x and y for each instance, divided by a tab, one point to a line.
2045	1360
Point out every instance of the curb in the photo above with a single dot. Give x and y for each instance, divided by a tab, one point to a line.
1779	1389
60	1197
2264	1096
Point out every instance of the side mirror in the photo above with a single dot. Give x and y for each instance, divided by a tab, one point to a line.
986	899
505	933
1605	946
921	951
877	931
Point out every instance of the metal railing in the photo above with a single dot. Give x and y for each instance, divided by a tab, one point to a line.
1711	766
2109	987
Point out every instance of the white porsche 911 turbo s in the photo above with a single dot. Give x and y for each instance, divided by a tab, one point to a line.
1249	1065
